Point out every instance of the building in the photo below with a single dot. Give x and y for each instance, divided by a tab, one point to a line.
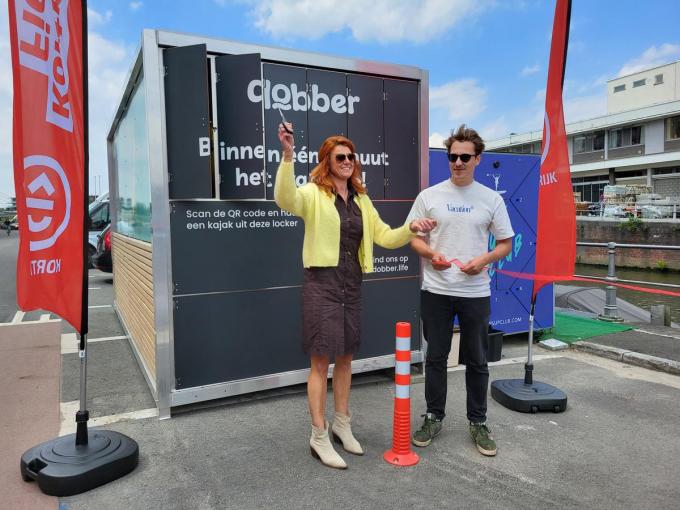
637	142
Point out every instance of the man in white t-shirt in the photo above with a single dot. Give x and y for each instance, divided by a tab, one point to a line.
456	282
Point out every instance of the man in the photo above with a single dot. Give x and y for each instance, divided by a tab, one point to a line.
456	282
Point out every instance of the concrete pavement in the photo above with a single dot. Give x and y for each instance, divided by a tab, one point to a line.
617	444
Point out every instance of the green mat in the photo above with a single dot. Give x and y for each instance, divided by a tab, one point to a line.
570	328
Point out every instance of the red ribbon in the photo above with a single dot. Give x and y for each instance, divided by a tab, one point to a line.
559	278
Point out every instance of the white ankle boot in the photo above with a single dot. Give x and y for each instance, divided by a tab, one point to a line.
323	450
342	433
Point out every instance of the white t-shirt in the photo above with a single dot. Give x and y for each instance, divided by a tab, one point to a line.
465	216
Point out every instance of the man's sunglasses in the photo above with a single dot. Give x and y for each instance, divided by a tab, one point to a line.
341	157
463	157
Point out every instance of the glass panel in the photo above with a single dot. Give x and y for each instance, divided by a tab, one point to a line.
598	141
619	88
639	83
586	194
99	218
615	138
626	137
580	144
132	169
636	135
673	128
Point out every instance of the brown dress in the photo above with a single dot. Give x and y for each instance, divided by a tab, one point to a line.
331	296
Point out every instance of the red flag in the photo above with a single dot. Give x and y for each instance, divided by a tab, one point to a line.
556	236
50	173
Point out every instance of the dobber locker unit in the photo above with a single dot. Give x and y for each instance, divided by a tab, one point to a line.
192	157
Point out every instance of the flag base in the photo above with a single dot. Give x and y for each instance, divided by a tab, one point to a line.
515	394
63	468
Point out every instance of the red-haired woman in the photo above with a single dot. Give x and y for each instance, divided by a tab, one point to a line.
341	226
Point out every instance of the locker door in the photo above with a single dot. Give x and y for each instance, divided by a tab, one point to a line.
284	86
365	128
401	139
322	120
239	126
187	122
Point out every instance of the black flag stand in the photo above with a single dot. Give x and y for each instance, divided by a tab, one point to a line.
527	396
87	459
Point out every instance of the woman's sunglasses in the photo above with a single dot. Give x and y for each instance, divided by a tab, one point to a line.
463	157
341	157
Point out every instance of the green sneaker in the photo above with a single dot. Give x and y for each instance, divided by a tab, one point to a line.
481	436
431	428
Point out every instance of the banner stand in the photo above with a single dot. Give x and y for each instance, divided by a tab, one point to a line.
525	395
87	459
82	461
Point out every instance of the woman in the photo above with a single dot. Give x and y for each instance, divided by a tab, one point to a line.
341	225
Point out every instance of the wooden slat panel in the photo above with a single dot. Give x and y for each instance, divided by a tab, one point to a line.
133	287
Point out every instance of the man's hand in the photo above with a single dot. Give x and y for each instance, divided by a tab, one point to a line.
440	262
475	266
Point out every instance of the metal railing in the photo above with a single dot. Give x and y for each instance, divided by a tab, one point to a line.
611	312
669	211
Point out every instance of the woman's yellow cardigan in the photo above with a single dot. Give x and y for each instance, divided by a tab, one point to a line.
321	247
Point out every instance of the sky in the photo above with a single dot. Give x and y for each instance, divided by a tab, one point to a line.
486	59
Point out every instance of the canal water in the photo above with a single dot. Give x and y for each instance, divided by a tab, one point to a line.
641	299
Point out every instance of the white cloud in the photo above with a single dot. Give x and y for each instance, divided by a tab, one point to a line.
495	129
385	21
134	6
96	19
651	57
437	140
108	63
461	100
529	70
584	107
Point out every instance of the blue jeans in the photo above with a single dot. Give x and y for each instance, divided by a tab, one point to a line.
437	313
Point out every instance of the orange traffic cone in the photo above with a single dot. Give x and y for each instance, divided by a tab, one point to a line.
401	454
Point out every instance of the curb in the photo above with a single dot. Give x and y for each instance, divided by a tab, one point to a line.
631	358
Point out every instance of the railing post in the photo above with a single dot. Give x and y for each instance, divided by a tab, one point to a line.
611	311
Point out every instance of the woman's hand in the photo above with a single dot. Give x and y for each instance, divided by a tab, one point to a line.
287	141
423	225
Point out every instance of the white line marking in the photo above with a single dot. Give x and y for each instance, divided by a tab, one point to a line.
18	317
105	338
657	334
509	361
69	342
100	306
68	421
94	288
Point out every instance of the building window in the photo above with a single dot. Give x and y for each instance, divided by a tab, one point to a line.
598	141
589	142
620	88
636	135
658	79
625	137
639	83
673	128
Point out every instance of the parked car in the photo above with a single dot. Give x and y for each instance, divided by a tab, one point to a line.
102	258
99	218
